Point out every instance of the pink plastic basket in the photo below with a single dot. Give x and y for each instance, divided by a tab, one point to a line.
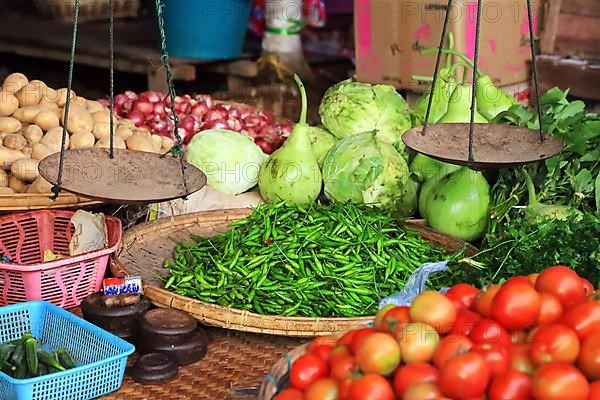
23	240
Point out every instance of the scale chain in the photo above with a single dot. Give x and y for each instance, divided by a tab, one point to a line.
56	188
111	35
475	78
534	68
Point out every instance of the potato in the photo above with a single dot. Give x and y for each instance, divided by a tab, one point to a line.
167	143
33	134
28	151
28	114
141	132
124	132
14	82
9	156
101	130
80	119
81	140
3	178
50	95
16	184
50	105
26	169
40	151
46	120
6	190
40	185
157	140
104	143
10	124
8	104
101	116
141	143
31	94
61	98
15	141
53	139
93	106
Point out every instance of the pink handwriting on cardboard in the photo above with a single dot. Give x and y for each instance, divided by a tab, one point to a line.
423	33
493	45
471	29
525	24
514	68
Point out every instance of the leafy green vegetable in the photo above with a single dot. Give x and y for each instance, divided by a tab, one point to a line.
571	178
526	247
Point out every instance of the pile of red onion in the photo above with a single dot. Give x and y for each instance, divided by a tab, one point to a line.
197	114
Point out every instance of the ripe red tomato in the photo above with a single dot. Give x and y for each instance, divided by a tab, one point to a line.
520	359
344	387
358	337
462	295
496	357
550	309
395	318
307	369
422	391
483	301
465	322
377	323
347	337
588	288
589	357
584	318
518	337
512	385
418	342
290	394
533	278
378	353
451	346
517	304
343	368
322	389
594	391
338	352
554	342
562	282
559	381
435	309
410	374
465	376
322	351
490	331
371	387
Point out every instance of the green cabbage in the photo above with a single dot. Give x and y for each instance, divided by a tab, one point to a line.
349	108
321	141
363	169
230	160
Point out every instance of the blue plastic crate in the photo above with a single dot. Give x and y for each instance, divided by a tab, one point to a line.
99	355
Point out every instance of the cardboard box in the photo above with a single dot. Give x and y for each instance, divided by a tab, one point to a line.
391	33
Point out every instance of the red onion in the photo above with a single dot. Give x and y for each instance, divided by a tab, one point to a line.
245	113
137	118
104	102
120	100
143	105
130	95
235	113
285	129
159	111
264	145
249	132
206	99
234	124
188	124
199	110
216	124
252	121
154	97
213	115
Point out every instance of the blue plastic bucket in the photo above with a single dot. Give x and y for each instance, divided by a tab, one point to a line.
208	29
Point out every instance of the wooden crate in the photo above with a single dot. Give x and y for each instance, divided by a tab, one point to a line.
572	28
580	76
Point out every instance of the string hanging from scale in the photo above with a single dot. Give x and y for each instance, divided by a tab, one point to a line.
476	72
56	188
176	150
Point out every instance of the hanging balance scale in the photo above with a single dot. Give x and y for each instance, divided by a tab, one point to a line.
120	176
476	145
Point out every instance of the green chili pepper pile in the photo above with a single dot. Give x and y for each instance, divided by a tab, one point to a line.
333	260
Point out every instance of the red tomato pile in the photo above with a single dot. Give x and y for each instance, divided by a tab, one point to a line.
535	337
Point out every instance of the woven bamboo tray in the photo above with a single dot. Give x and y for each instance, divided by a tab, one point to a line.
145	247
27	202
278	376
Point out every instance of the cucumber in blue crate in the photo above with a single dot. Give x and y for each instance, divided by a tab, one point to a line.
24	358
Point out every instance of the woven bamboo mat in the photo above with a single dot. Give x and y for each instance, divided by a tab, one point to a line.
234	360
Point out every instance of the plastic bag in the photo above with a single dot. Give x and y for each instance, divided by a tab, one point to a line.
414	285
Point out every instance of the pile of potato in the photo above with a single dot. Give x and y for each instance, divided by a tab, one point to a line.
31	127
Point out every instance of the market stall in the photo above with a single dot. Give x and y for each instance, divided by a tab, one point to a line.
446	250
